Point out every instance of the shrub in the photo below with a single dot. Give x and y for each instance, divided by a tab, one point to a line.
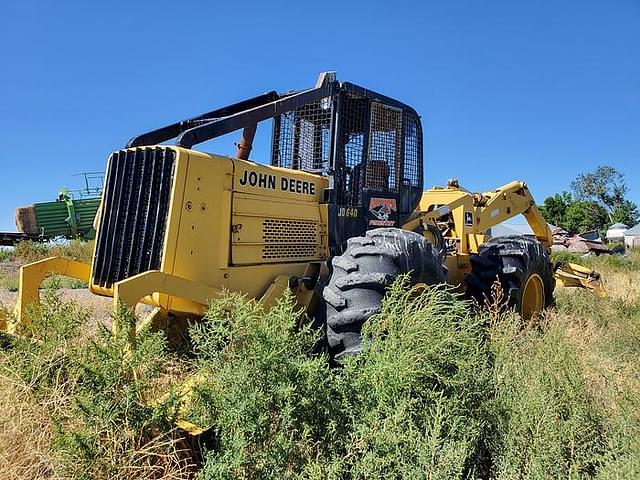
108	430
60	281
418	394
564	256
9	282
29	251
273	407
79	250
6	254
411	405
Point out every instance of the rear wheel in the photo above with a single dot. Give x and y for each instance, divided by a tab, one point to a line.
524	269
362	274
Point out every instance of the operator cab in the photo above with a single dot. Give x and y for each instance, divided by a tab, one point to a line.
369	145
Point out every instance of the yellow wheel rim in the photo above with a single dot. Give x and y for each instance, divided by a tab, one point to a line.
532	296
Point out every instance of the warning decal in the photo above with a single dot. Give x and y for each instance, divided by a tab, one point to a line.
382	209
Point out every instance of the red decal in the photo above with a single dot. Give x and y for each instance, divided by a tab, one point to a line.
381	209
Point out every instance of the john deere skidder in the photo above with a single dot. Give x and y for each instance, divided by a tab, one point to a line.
335	217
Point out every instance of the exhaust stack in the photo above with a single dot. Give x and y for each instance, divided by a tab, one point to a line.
246	142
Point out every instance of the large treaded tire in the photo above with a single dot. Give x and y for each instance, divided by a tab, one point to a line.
361	275
513	259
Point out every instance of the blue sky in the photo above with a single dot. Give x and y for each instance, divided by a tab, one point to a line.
538	91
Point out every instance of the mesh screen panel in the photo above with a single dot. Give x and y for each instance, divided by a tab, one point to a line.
289	239
412	150
385	143
354	130
379	146
302	138
289	231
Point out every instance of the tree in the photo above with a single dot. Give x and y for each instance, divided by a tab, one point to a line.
554	208
583	216
573	215
626	212
606	186
599	201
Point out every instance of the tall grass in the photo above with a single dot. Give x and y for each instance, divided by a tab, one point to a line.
550	425
28	251
630	261
94	423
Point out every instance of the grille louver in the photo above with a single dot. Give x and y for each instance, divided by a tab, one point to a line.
286	239
134	215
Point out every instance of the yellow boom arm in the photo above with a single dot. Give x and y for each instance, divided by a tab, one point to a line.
475	213
464	217
508	201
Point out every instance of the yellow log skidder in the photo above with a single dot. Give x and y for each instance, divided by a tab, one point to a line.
335	217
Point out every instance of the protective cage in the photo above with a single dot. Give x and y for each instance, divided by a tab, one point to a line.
366	141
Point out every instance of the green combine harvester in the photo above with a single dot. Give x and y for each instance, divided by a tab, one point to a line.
70	216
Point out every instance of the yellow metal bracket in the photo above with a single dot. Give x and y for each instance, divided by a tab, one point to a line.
184	393
574	275
131	291
31	277
275	291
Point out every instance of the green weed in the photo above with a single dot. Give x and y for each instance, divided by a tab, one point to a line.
29	251
6	254
9	282
549	423
410	406
629	262
79	250
107	423
100	425
568	257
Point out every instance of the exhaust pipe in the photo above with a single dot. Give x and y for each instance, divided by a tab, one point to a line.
246	142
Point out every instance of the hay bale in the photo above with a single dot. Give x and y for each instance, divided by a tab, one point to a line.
26	221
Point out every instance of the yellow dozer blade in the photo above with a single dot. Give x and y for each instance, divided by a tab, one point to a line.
31	276
574	275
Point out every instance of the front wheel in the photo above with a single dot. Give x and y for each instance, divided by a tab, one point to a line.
362	274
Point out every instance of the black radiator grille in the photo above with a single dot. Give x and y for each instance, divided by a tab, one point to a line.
134	214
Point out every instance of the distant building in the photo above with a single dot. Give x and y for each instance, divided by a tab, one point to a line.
632	237
616	232
508	229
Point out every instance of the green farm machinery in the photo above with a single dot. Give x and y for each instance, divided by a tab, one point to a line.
70	216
